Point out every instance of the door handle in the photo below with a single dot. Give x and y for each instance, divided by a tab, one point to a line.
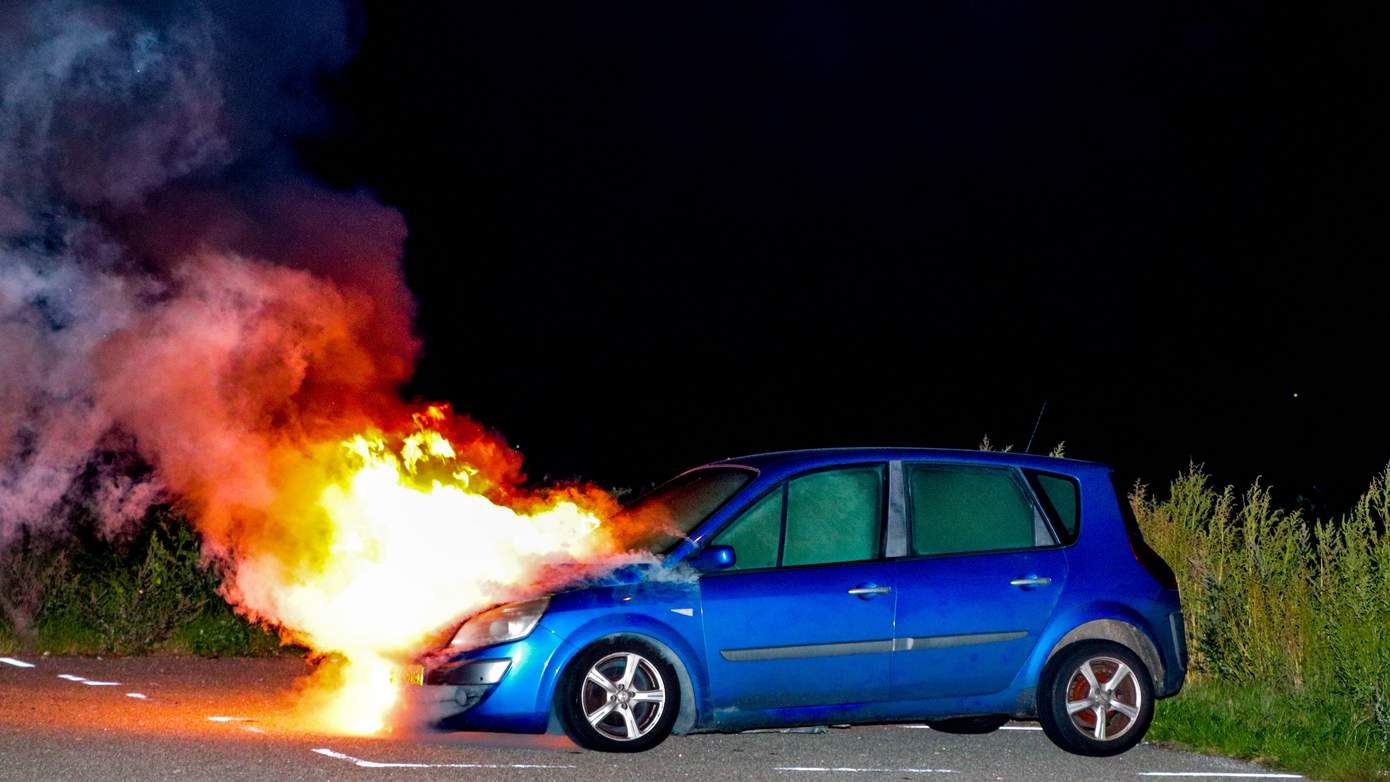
1031	581
870	590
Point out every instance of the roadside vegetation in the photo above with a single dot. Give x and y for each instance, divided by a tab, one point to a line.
1288	625
148	593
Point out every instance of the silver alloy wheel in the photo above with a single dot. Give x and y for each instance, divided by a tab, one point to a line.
623	696
1104	698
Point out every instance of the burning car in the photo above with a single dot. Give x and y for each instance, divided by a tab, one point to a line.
853	586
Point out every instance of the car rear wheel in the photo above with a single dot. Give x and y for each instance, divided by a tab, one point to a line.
1095	698
970	725
618	696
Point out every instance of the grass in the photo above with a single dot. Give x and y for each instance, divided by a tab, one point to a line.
1286	730
149	593
1288	623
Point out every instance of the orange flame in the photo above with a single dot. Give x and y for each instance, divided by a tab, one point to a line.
410	537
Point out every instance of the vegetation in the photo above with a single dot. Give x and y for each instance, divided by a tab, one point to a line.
1288	623
150	593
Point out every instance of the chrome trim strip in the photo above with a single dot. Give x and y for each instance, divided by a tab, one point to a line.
806	650
948	641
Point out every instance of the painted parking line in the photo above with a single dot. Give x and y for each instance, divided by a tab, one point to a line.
1220	774
360	763
229	719
91	683
15	663
140	696
71	678
848	770
1003	727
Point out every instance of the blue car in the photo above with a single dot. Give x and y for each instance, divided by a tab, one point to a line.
959	588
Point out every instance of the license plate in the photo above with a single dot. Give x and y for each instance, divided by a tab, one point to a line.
411	674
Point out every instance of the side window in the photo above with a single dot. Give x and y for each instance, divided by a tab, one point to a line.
834	516
1061	494
959	509
755	534
816	519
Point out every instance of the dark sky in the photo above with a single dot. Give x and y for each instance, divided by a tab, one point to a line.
646	235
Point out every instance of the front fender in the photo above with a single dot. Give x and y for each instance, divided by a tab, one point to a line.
683	653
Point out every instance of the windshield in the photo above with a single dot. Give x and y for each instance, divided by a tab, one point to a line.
670	512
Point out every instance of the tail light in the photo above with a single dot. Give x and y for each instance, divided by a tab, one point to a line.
1147	557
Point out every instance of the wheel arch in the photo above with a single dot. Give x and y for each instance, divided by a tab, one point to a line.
1118	631
687	716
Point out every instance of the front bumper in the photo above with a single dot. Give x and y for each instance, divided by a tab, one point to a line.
507	687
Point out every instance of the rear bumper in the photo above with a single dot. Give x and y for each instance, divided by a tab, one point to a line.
1175	667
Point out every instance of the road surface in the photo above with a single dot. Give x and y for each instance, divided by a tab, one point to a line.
235	719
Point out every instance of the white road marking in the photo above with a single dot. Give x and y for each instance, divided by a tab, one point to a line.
1221	774
1005	727
373	764
252	729
15	663
229	719
845	770
91	683
137	695
71	678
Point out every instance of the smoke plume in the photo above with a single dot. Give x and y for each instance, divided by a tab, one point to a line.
170	288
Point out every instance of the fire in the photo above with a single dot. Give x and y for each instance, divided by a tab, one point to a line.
408	536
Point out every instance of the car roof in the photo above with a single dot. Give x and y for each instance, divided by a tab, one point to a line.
779	461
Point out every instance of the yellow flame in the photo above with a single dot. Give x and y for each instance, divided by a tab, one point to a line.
407	551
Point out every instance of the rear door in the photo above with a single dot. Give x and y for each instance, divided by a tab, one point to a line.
805	616
982	577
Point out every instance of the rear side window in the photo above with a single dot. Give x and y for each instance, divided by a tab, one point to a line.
1063	498
962	509
815	519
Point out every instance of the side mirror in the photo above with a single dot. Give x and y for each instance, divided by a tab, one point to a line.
714	558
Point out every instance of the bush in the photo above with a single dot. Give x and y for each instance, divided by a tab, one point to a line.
1280	604
149	593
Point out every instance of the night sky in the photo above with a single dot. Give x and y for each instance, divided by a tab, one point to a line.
645	236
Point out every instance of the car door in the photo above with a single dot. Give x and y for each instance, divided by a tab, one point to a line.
982	577
805	616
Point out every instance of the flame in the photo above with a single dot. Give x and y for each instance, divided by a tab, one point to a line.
399	538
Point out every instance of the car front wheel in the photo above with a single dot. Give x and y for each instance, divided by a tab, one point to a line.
1095	698
618	696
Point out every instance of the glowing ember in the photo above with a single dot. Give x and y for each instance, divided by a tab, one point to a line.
406	537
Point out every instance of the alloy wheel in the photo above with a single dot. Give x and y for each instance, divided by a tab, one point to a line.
623	696
1104	698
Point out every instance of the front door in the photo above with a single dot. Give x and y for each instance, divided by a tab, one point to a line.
805	616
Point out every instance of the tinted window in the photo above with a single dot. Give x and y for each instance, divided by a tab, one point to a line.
1062	495
962	509
834	516
674	509
755	534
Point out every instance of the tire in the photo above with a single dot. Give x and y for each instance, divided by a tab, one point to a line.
970	725
618	696
1080	709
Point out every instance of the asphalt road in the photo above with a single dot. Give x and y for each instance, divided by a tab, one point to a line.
233	719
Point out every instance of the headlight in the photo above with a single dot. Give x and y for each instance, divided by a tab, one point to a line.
510	622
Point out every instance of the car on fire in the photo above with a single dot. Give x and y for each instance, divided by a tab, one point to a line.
845	586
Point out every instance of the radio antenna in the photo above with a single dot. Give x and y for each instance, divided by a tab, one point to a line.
1029	448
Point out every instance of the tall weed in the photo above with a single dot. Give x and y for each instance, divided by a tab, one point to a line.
1280	602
